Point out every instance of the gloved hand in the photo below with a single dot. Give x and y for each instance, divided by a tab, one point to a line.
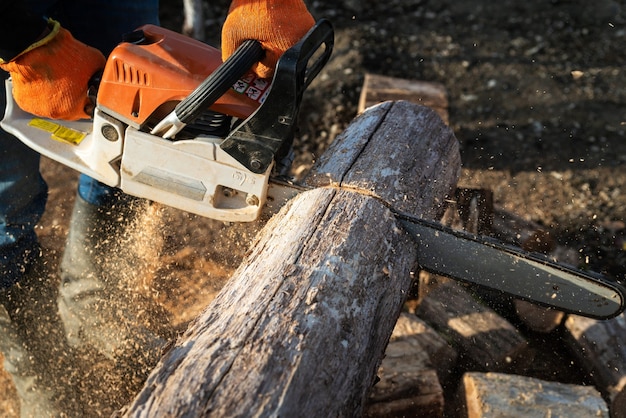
277	24
50	77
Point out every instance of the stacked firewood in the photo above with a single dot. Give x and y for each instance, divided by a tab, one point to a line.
464	352
459	351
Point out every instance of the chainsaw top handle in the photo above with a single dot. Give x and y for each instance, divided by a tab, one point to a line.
211	89
257	140
215	85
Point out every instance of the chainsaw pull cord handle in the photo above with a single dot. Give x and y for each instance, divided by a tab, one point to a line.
212	88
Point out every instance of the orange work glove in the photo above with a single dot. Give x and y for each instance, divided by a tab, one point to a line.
50	78
277	24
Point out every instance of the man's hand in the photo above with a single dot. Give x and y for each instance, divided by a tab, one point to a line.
50	77
277	24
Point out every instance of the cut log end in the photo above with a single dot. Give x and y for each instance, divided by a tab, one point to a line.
518	396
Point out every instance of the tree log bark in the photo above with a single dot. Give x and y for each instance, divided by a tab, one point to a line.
301	327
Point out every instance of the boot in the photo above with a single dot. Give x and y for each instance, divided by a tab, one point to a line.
33	344
98	300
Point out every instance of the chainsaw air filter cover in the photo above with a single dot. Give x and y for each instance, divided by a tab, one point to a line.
147	76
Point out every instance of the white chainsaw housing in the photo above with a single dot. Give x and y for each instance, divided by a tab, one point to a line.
196	175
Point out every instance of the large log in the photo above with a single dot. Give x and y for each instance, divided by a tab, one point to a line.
300	328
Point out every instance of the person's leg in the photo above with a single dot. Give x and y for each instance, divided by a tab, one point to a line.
35	398
97	301
32	341
23	195
26	303
101	264
22	200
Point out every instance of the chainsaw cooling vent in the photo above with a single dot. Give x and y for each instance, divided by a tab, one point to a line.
208	123
128	74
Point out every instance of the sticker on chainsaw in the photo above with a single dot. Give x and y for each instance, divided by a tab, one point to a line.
253	87
58	132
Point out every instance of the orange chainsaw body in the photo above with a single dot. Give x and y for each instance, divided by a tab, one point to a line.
216	167
148	78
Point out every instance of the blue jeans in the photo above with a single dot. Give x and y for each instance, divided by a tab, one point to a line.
23	192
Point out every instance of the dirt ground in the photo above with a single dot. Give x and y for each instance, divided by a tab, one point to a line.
537	101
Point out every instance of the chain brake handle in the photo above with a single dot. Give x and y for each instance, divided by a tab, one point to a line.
270	129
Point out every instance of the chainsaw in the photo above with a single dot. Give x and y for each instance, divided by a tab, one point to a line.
174	124
161	127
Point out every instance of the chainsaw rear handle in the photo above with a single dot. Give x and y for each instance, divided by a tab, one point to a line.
218	82
270	129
